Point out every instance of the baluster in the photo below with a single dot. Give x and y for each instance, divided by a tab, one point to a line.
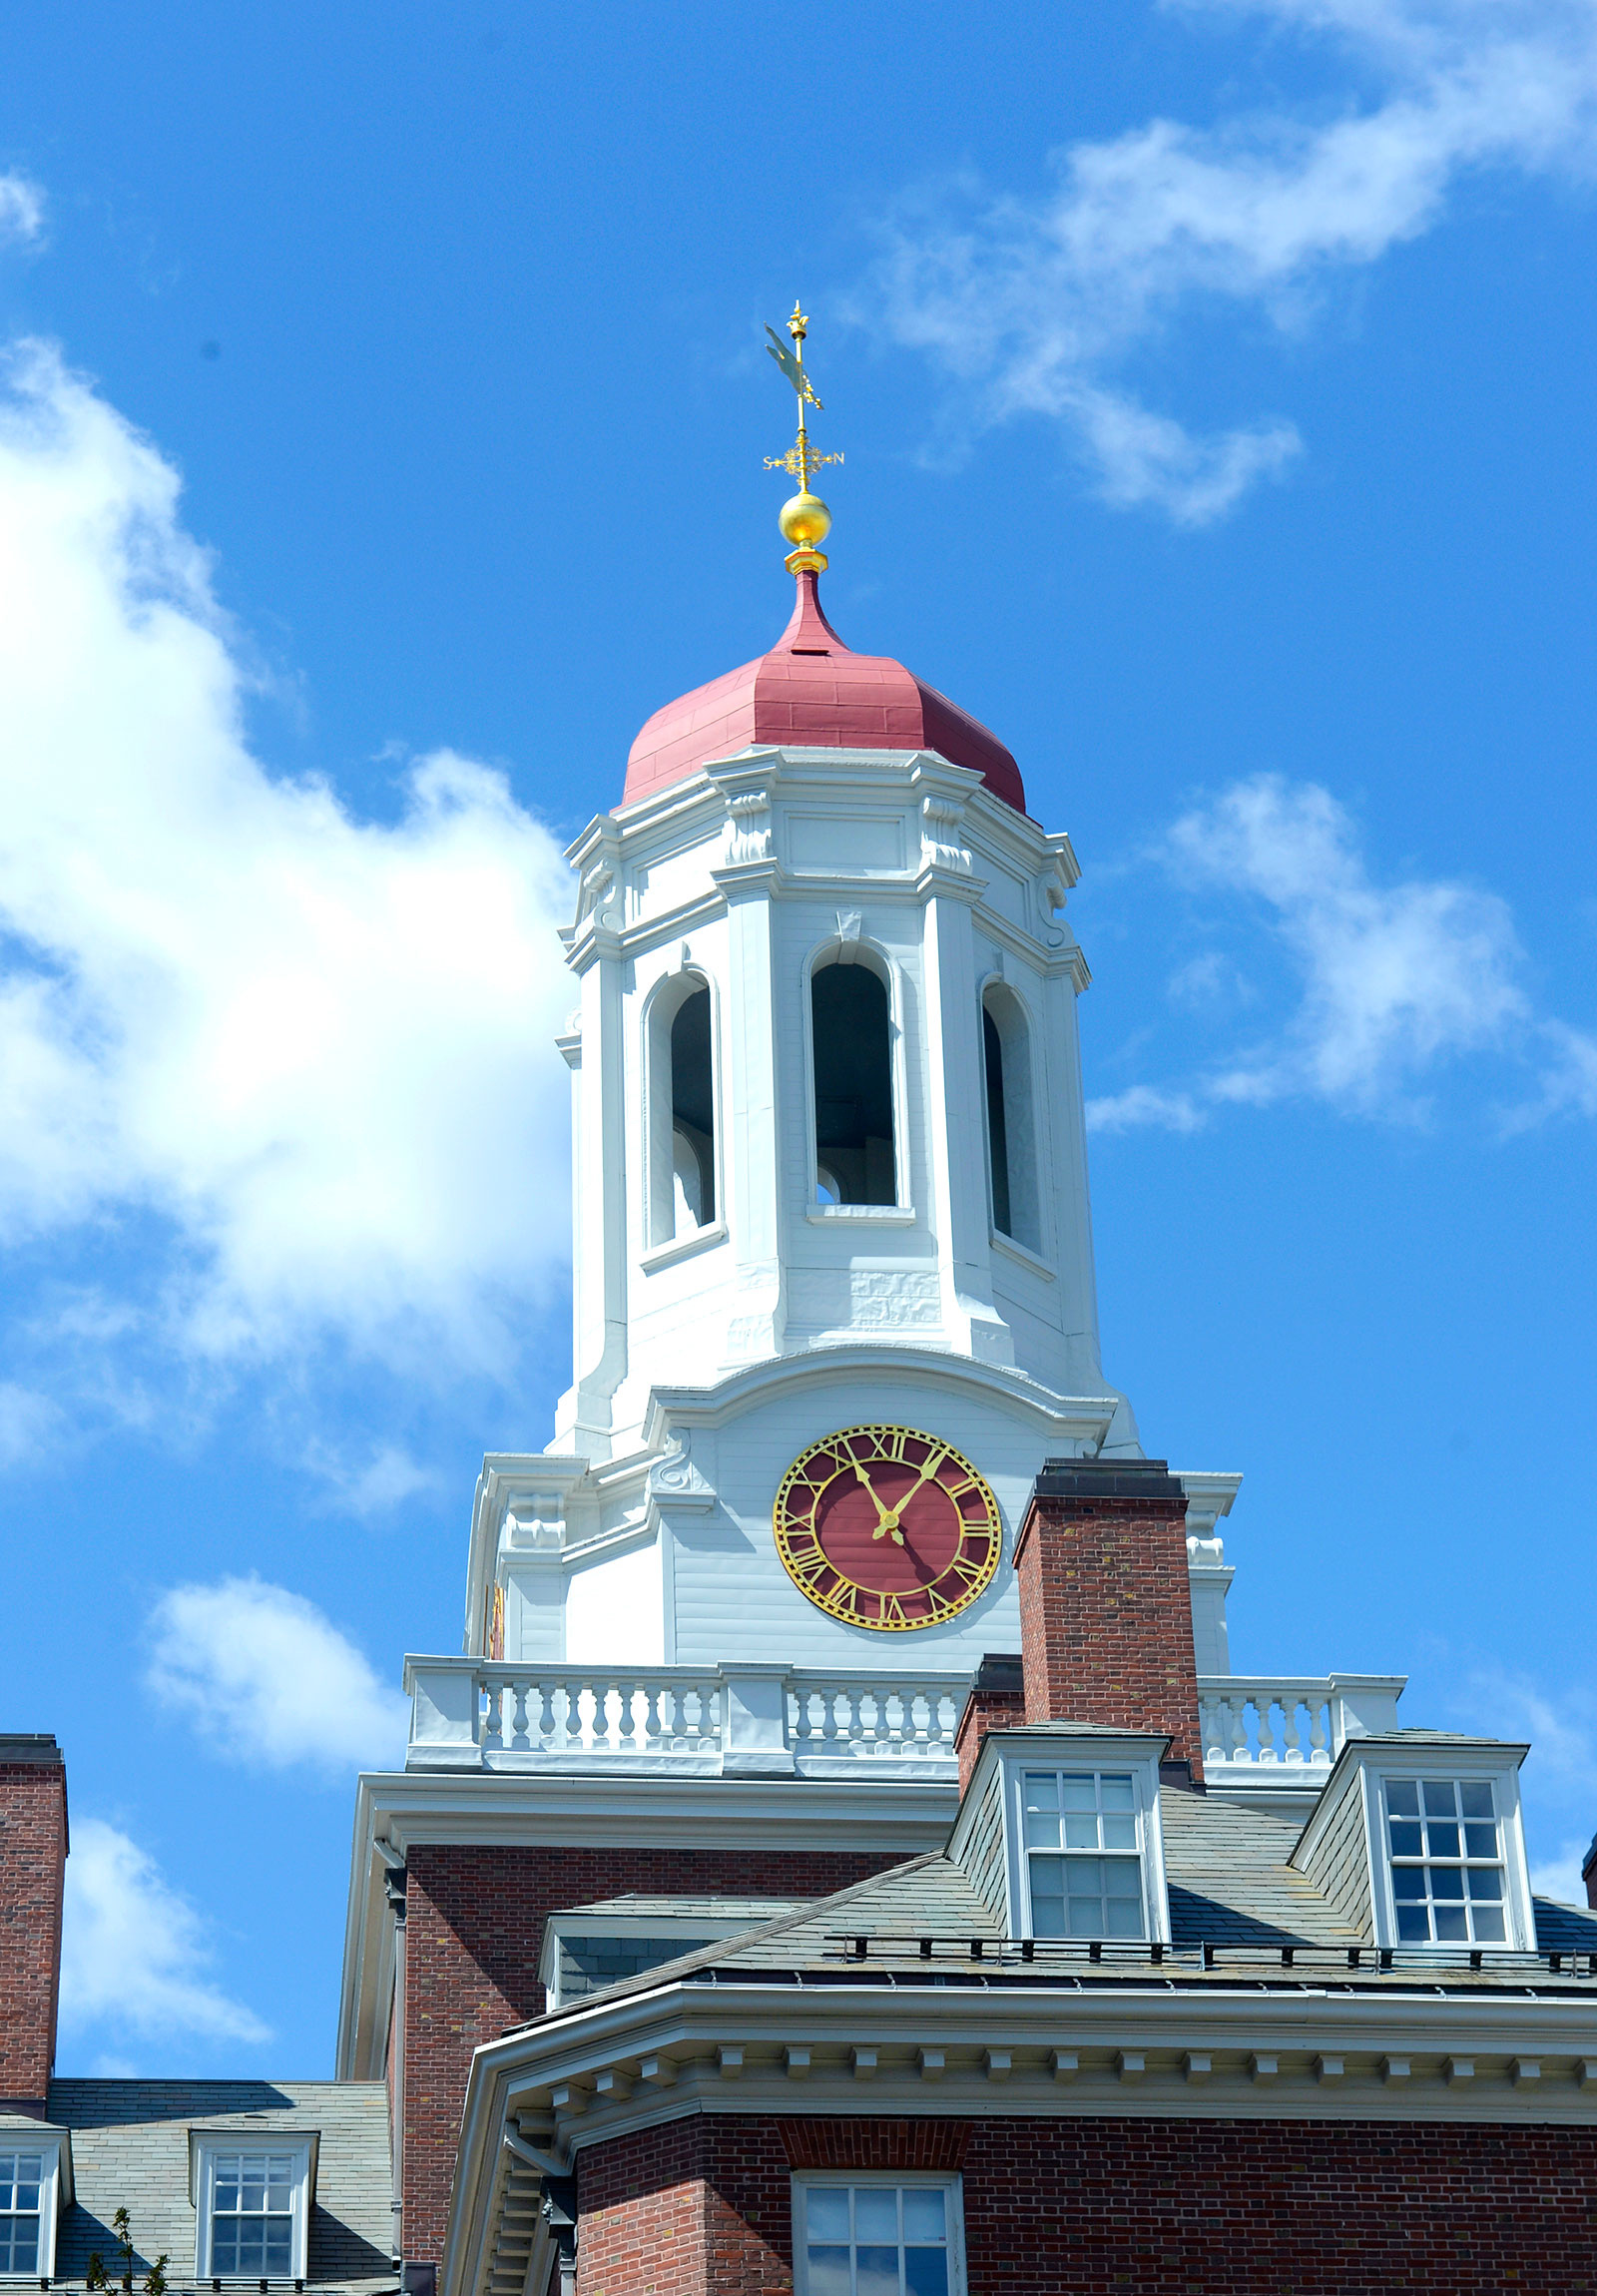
1241	1744
1290	1733
654	1727
546	1714
1209	1730
518	1720
492	1729
1319	1728
800	1728
1264	1707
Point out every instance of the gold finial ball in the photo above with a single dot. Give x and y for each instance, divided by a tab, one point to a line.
805	520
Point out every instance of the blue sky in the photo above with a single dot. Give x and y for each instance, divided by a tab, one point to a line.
380	441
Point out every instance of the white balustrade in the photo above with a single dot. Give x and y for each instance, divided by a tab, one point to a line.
1282	1732
1260	1733
479	1714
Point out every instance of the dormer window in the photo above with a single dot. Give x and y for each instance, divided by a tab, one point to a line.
1417	1842
1446	1861
35	2177
1083	1846
22	2182
252	2205
1060	1833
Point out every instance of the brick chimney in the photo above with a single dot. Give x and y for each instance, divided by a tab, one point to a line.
1105	1606
997	1698
33	1862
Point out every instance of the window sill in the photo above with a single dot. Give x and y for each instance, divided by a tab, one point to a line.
1021	1254
682	1247
868	1215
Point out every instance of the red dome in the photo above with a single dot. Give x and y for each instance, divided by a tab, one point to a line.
811	692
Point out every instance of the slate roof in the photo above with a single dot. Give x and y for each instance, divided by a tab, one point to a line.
1231	1888
130	2149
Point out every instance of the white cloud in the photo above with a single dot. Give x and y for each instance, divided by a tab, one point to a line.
133	1953
21	209
270	1679
1387	982
1144	1104
1394	978
27	1422
1040	302
317	1048
385	1479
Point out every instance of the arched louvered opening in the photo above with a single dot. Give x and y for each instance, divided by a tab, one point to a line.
682	1111
1011	1121
851	1033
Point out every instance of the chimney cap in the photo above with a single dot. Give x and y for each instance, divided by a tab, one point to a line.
30	1746
1108	1478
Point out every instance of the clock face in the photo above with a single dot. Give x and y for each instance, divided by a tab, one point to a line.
886	1527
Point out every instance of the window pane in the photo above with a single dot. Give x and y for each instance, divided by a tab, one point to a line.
876	2213
1081	1830
1489	1923
1443	1840
1407	1881
1451	1929
829	2271
1117	1794
1480	1841
1485	1881
1402	1797
1439	1794
1080	1792
1413	1925
925	2217
827	2212
877	2271
1476	1801
1408	1838
1447	1880
1120	1831
1124	1918
926	2271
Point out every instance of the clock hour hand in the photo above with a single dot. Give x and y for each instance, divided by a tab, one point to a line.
888	1525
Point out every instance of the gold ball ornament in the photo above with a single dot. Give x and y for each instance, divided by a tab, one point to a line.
805	520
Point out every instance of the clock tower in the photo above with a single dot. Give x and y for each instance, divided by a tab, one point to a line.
832	1254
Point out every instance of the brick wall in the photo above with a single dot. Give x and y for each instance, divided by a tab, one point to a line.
33	1857
1105	1601
474	1933
1088	2207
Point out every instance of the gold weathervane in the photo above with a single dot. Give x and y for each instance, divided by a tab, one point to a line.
805	520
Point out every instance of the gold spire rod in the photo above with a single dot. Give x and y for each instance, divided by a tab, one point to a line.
805	520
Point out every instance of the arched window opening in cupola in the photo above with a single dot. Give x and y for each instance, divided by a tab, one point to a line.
682	1145
852	1032
1012	1126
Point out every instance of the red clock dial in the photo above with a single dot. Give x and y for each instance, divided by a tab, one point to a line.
886	1527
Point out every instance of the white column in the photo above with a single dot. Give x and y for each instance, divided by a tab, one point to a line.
754	1326
953	1114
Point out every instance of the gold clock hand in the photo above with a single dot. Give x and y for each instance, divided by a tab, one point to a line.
887	1517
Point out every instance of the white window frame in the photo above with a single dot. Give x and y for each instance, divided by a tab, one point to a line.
1077	1751
204	2146
948	2182
55	2187
1498	1766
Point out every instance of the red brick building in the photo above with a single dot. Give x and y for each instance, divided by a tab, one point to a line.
843	1860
